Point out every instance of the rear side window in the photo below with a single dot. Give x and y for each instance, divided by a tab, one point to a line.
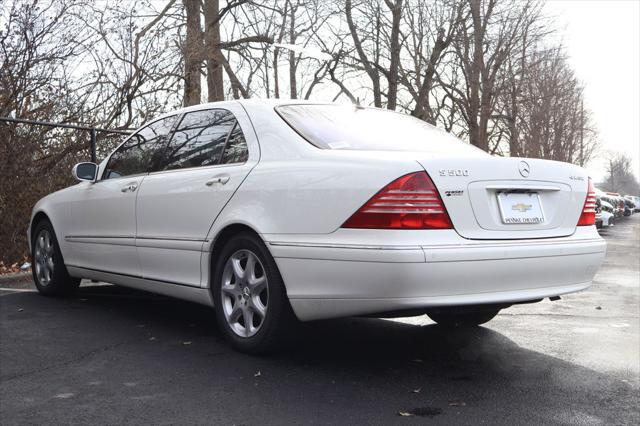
198	141
371	129
135	155
236	150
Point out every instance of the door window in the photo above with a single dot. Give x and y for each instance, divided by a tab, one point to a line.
136	154
198	141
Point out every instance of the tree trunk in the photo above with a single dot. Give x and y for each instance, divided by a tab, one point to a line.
392	77
293	83
215	82
192	51
276	83
423	109
477	65
370	68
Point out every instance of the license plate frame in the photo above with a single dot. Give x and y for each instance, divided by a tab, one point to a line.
520	208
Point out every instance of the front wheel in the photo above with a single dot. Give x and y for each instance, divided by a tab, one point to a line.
250	299
49	272
454	319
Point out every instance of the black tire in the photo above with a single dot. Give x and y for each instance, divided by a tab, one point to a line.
276	323
463	319
57	282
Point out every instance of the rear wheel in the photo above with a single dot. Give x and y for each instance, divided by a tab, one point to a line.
460	319
251	303
49	272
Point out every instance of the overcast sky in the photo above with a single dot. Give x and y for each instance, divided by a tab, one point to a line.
602	39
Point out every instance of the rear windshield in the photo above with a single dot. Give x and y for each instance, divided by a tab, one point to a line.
369	129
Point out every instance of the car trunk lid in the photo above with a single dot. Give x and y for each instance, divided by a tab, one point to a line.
509	198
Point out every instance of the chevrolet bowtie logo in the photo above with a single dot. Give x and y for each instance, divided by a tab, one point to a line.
521	207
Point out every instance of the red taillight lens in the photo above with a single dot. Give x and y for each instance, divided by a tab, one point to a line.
410	202
588	216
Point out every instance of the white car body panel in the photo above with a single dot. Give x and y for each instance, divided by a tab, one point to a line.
424	274
103	225
176	209
296	197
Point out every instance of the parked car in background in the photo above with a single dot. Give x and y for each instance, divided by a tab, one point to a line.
277	210
604	213
629	207
621	205
598	214
636	202
618	203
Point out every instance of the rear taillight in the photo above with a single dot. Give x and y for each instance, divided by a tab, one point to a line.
588	216
409	202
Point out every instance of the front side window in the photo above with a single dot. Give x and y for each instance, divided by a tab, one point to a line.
198	141
370	129
136	154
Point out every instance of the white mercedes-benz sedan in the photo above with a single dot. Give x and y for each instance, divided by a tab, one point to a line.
272	211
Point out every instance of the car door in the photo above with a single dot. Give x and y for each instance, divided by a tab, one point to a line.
102	234
203	164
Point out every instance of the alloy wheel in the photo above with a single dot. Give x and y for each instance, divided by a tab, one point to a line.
43	256
245	293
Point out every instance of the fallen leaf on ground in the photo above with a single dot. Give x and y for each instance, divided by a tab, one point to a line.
416	390
20	309
152	338
405	414
258	374
457	403
598	307
186	343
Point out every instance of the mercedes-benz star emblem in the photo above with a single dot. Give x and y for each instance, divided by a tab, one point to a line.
524	169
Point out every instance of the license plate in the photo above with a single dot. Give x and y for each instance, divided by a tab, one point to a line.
520	208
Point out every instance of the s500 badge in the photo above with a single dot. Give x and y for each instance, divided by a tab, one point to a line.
453	172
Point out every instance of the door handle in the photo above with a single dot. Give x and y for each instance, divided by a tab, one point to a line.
129	187
221	179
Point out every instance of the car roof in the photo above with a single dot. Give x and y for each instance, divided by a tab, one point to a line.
253	102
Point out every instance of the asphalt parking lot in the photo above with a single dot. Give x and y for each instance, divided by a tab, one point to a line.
110	355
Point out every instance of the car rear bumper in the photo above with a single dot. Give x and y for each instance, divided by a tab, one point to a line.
337	280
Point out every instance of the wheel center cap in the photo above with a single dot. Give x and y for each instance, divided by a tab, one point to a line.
246	292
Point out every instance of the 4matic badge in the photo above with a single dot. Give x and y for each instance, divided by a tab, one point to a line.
453	193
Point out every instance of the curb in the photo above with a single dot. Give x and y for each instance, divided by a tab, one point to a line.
15	277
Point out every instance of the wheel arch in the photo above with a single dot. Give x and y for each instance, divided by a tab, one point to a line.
221	239
36	219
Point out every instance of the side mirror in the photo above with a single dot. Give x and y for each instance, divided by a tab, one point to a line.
85	171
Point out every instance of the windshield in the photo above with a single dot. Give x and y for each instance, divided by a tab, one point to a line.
370	129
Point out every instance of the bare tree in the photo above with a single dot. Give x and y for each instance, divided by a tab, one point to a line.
37	46
376	40
431	28
550	118
620	177
491	32
135	66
